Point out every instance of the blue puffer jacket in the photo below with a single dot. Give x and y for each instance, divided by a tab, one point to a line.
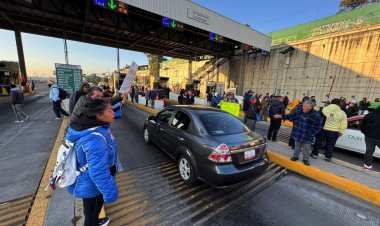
101	154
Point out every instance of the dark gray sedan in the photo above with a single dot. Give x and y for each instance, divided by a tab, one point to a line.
208	144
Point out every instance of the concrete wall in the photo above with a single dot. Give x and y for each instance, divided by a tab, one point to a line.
352	57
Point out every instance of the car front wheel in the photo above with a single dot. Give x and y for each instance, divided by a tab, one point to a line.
186	170
147	136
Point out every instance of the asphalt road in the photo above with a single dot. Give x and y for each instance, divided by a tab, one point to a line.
292	200
25	147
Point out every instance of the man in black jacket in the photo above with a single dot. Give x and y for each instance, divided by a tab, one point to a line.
370	127
17	99
77	94
276	108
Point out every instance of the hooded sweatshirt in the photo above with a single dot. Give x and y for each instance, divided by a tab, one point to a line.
336	119
75	97
371	125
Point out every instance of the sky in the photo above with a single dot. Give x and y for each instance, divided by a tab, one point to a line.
264	16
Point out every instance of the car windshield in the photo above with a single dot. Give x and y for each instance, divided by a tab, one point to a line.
222	124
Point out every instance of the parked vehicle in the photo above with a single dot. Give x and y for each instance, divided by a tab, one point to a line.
208	144
353	139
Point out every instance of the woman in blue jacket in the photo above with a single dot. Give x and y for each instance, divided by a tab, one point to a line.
96	152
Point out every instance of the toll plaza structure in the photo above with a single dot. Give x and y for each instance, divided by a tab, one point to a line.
179	29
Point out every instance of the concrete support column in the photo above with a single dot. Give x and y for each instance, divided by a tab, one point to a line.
20	52
229	72
190	68
243	64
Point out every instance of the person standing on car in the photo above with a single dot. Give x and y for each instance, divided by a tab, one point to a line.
335	125
96	151
246	104
74	97
370	127
276	108
17	99
363	106
308	124
54	97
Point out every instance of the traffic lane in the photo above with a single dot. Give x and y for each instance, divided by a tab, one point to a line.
296	200
341	154
132	149
292	200
25	147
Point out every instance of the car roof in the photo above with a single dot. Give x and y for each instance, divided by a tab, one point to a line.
196	109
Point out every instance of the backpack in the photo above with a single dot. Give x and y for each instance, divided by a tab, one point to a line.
62	94
65	171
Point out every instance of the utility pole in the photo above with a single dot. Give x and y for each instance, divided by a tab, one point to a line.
66	51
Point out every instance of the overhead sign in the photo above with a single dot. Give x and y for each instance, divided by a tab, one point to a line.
198	16
170	23
114	5
216	37
129	78
69	77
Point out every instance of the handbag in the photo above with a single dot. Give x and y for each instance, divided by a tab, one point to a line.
258	116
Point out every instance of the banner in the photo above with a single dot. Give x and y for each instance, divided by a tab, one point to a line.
232	108
129	78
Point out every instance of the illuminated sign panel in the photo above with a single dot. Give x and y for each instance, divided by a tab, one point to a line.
170	23
216	37
114	5
123	8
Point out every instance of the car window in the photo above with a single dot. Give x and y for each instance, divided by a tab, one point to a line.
165	115
222	124
181	121
355	124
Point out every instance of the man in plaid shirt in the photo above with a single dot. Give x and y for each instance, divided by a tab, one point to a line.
307	123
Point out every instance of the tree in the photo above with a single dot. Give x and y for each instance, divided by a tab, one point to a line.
154	64
346	5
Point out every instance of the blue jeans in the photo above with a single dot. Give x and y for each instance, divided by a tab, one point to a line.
58	109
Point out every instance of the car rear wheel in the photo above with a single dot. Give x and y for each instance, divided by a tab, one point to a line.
186	170
147	136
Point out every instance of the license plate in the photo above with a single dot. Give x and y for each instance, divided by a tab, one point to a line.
249	154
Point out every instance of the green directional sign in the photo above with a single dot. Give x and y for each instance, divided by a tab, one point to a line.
111	4
69	77
174	25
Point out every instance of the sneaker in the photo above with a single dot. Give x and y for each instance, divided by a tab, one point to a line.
18	121
104	221
314	156
294	159
27	117
327	159
58	118
367	168
306	162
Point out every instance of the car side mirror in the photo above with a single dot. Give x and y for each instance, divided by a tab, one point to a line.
152	118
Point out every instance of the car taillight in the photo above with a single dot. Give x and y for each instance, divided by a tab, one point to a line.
221	154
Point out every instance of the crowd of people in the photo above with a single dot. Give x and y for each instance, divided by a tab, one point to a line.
91	112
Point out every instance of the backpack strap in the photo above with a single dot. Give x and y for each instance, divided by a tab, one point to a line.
85	167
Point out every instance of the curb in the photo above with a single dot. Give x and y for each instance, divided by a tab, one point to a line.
356	189
38	213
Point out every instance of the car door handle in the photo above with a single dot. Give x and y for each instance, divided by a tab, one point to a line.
180	139
161	129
